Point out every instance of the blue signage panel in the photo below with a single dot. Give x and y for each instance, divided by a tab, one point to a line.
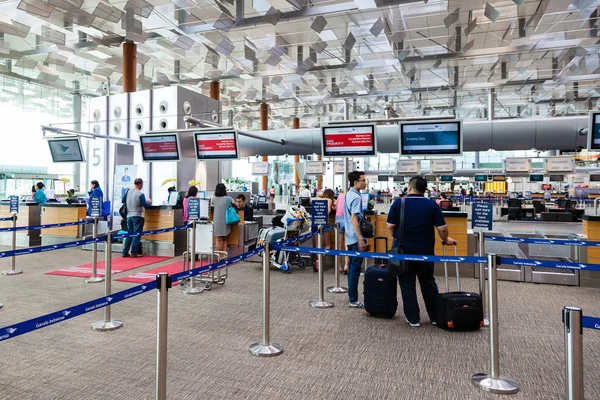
95	206
193	208
14	204
319	212
482	215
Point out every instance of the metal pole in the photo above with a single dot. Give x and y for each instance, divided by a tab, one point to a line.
481	244
107	324
572	320
266	348
320	303
192	289
13	247
163	284
337	288
95	278
493	382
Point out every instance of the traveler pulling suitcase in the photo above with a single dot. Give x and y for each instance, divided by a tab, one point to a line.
380	291
458	311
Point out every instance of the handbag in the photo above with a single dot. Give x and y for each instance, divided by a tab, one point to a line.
398	267
123	208
231	215
365	226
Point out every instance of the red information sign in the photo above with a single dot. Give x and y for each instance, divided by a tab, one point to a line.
160	147
349	140
216	145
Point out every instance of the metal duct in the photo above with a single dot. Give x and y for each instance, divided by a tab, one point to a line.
515	134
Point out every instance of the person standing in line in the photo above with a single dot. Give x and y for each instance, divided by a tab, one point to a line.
33	190
272	194
39	196
305	192
339	219
355	241
136	205
95	191
220	204
192	192
420	217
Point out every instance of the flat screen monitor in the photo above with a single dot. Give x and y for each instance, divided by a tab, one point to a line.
594	178
431	138
398	178
446	178
536	178
383	178
546	186
66	150
499	178
556	178
262	199
163	147
348	140
481	178
430	178
216	145
594	131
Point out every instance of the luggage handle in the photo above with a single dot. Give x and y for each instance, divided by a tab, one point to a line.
446	268
380	260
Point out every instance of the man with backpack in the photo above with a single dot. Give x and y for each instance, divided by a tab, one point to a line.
135	203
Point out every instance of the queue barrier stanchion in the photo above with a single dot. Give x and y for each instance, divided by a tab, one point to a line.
493	382
320	303
95	278
337	288
265	348
192	289
107	324
572	320
486	322
13	247
163	284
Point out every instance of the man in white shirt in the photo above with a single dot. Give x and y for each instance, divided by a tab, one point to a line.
305	192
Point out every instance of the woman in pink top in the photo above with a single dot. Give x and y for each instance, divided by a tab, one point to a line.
192	192
339	219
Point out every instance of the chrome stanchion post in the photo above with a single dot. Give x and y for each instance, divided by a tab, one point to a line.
481	246
94	278
192	289
107	324
493	382
266	348
320	303
163	284
572	320
13	247
337	288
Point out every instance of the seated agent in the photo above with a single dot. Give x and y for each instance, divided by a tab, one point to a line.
248	211
420	216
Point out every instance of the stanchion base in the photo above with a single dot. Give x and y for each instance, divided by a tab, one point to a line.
320	304
193	290
486	323
337	289
265	350
13	272
105	326
501	385
1	305
97	279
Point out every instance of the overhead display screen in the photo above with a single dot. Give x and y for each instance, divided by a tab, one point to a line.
594	131
557	178
66	150
348	140
536	178
481	178
216	145
431	138
446	178
160	147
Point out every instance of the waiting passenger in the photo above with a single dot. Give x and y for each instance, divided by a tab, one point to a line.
220	204
339	219
305	192
136	205
420	217
39	196
353	212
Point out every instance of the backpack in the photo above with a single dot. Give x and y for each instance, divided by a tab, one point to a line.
123	209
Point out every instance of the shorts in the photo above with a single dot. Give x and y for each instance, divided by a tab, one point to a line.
340	220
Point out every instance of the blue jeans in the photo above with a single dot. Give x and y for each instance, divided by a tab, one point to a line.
353	274
134	225
429	290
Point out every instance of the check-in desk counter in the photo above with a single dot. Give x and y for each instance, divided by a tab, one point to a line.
243	236
29	215
591	230
56	213
169	244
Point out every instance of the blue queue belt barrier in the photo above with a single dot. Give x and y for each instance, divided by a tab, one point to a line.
48	226
6	219
50	247
153	232
34	324
591	323
542	241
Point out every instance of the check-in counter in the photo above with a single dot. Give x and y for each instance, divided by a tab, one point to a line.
56	213
591	230
168	244
28	215
243	236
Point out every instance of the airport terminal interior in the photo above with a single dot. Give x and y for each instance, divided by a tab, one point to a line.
173	177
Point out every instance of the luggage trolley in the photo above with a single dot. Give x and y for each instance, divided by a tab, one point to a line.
204	251
284	260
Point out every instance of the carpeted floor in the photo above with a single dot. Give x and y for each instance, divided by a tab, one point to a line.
337	353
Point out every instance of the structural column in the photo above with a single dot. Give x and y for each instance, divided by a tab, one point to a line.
264	126
320	177
215	90
296	125
129	67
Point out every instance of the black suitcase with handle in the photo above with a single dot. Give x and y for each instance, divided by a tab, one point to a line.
380	289
458	311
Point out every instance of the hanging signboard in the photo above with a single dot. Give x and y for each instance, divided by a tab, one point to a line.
517	165
408	167
314	168
260	168
482	215
443	166
559	164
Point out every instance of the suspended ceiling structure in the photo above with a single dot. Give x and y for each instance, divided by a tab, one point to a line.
321	60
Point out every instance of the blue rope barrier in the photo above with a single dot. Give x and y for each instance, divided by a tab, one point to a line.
560	242
591	323
47	226
50	247
6	219
152	232
520	262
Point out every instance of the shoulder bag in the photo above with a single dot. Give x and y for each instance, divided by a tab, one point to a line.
398	267
365	226
231	215
123	208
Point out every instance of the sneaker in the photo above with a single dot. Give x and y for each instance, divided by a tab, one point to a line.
126	255
415	325
356	304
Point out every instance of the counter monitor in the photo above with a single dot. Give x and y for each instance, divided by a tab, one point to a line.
66	150
430	178
536	178
348	140
594	178
383	178
163	147
557	178
216	145
481	178
398	178
499	178
594	131
446	178
431	138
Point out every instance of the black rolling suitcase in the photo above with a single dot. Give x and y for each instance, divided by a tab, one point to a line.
380	289
458	311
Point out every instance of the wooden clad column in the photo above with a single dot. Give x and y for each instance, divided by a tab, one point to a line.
296	125
264	126
129	67
215	90
320	178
